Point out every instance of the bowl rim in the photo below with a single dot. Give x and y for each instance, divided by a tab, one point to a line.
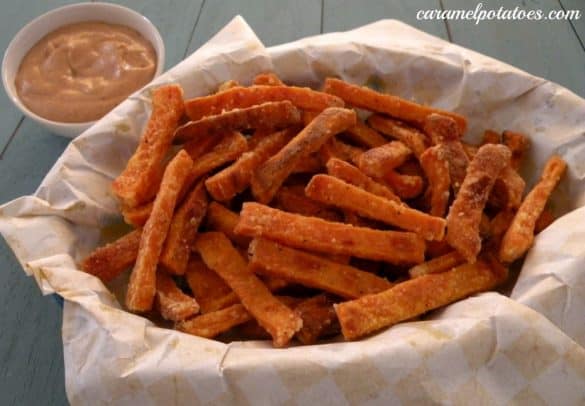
157	43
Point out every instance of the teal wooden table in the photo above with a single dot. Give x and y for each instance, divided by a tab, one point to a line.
31	355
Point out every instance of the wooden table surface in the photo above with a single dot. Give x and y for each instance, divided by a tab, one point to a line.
31	354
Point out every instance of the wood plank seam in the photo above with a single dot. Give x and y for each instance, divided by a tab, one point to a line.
322	14
193	29
12	136
447	28
581	40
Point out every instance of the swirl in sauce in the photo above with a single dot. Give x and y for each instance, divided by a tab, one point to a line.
79	72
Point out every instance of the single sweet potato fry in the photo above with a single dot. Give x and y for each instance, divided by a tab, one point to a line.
545	219
436	265
405	186
211	324
137	216
272	115
334	148
234	179
394	106
201	145
414	297
293	200
520	235
270	175
182	231
268	79
498	227
491	137
518	144
135	185
376	162
314	234
436	167
224	220
366	136
210	291
230	148
465	213
112	259
333	191
409	136
172	303
243	97
218	254
142	285
319	319
273	259
352	175
311	164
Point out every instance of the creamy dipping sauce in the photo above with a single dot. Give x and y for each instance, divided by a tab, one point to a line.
79	72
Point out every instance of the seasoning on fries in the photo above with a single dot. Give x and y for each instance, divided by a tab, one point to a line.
172	303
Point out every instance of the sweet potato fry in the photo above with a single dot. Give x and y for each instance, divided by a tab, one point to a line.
405	186
199	146
135	185
218	254
441	128
409	136
234	179
465	213
172	303
518	144
211	324
138	215
520	235
414	297
142	285
545	219
210	291
365	136
315	234
270	175
498	227
436	167
470	150
273	259
491	137
268	79
394	106
319	319
352	175
228	84
293	200
333	191
334	148
224	220
268	115
182	231
243	97
311	164
230	148
508	189
437	265
376	162
112	259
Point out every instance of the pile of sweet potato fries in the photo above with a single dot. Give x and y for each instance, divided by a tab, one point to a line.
274	211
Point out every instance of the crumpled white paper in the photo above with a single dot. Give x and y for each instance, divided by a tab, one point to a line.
488	349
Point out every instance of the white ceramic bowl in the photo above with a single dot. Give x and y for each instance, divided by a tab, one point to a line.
31	33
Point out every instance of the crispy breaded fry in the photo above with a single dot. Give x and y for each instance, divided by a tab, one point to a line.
545	219
311	164
394	106
508	189
112	259
268	115
414	297
234	179
272	259
243	97
224	220
365	136
218	254
201	145
333	191
230	148
334	148
405	186
491	137
228	84
319	319
293	200
409	136
270	175
441	128
211	324
172	303
436	167
257	220
520	235
518	144
182	231
465	213
268	79
352	175
142	285
135	185
376	162
437	265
